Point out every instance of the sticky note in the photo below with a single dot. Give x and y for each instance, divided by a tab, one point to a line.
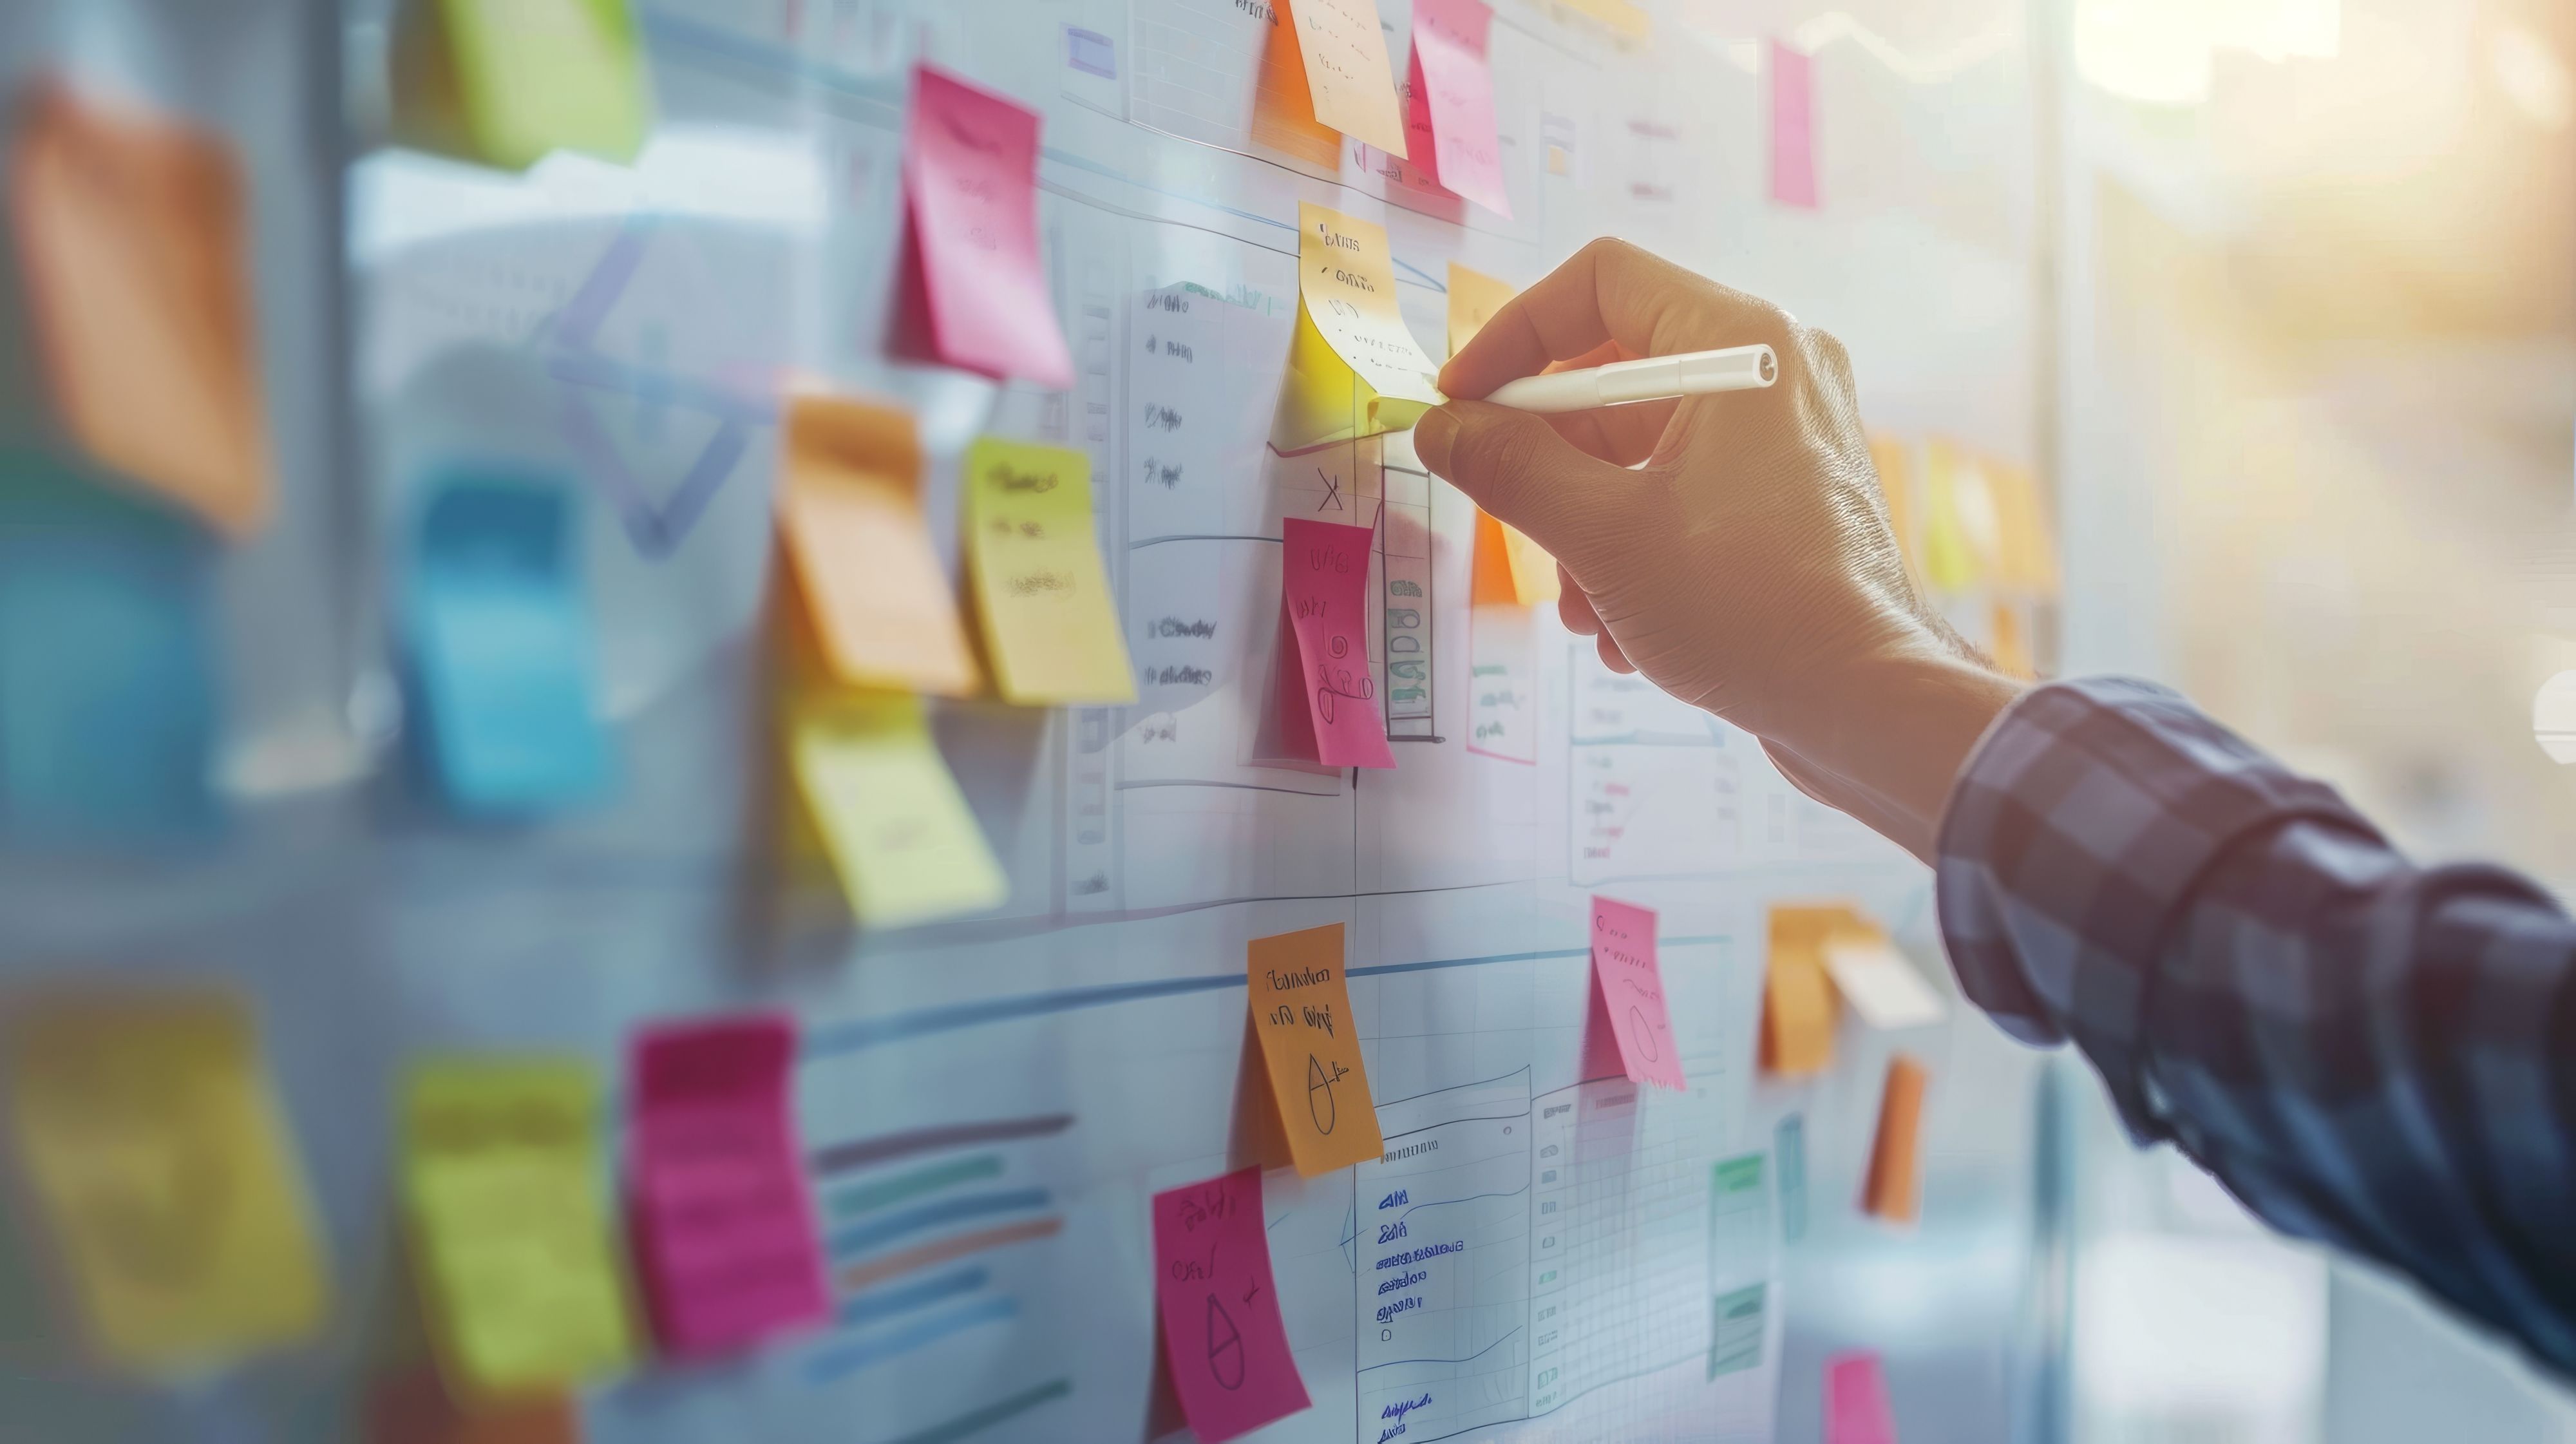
507	81
1450	117
1301	1012
1354	368
1510	569
859	549
151	1136
1328	704
1631	982
1793	127
1347	78
1879	983
1893	457
724	1229
1894	1186
1223	1338
502	646
131	232
1283	114
108	698
1621	17
970	170
1962	534
1474	297
504	1194
415	1408
1050	628
1856	1407
1797	993
2005	642
900	836
2025	547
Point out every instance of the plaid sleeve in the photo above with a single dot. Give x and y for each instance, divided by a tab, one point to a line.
2366	1052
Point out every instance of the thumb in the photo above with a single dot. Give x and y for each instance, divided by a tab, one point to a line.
1513	464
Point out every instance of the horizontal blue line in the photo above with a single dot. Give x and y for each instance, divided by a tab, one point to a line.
1480	1353
1470	1198
836	1363
878	1231
884	1304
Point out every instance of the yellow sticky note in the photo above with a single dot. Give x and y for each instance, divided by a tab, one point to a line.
1510	569
503	1184
1033	550
1474	297
152	1138
1798	1007
1347	78
859	548
506	81
1622	17
1354	368
1310	1046
1894	458
1961	532
899	832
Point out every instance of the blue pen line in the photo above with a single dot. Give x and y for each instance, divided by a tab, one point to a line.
836	1363
1470	1198
1480	1353
882	1304
860	1238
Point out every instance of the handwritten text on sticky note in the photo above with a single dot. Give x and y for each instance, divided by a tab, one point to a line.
1327	695
1347	76
1222	1334
1631	979
970	170
1301	1012
1354	368
1452	101
1050	627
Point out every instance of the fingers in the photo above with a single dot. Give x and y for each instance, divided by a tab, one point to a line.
1609	292
1514	465
1574	608
1611	657
1620	435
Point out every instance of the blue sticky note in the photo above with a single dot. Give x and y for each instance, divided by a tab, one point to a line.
107	679
502	647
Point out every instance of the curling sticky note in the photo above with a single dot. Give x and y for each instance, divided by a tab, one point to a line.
1510	569
1877	981
1328	704
1348	79
724	1229
1474	297
1450	114
1310	1044
506	81
504	1190
899	833
1354	368
130	230
1894	1186
1797	993
849	512
1223	1338
1629	979
1050	626
151	1137
1793	127
1856	1407
970	171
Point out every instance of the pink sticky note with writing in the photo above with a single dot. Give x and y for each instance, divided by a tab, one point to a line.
1222	1334
724	1227
1793	127
1327	698
1631	984
1856	1409
1451	102
970	169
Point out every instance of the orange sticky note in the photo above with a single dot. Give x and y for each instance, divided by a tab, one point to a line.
1895	1185
1474	297
859	549
417	1409
1894	458
1348	80
1283	117
2025	546
1798	1009
2011	652
130	230
1511	570
1301	1011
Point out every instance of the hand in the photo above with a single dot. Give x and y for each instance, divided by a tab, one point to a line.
1734	549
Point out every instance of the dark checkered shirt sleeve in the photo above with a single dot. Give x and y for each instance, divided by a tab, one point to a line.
2366	1052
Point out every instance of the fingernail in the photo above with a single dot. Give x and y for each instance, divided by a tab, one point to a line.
1431	438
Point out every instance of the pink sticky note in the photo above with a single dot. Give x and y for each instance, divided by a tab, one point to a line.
1327	698
1631	988
1451	102
970	163
1856	1409
724	1229
1793	127
1222	1335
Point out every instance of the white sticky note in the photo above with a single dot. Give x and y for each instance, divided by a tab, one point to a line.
1881	985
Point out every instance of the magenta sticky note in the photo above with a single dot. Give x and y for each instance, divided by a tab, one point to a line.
723	1224
1630	983
1450	102
1328	710
970	170
1222	1334
1793	127
1856	1408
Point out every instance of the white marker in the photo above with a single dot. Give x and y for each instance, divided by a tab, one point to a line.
1656	378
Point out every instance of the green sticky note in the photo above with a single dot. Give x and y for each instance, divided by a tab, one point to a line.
506	81
1735	1338
900	835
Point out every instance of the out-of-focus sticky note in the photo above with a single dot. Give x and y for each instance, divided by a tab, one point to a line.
970	168
1793	127
107	669
1328	705
723	1219
2026	549
1050	627
151	1135
507	81
1962	535
1283	114
1354	368
1894	458
1474	297
1450	117
503	648
1223	1338
1301	1011
1510	569
849	512
2006	643
1894	1187
1621	17
415	1408
504	1186
1856	1407
1797	992
900	834
1879	983
1631	981
130	231
1348	79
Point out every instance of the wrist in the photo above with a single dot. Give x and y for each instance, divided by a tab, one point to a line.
1898	725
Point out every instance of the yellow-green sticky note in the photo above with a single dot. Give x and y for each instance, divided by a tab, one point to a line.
1033	552
898	831
151	1136
506	81
505	1194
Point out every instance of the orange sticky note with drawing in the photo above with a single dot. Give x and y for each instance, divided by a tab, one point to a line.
1301	1012
1348	80
130	232
859	549
1894	1189
1798	1009
1628	980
